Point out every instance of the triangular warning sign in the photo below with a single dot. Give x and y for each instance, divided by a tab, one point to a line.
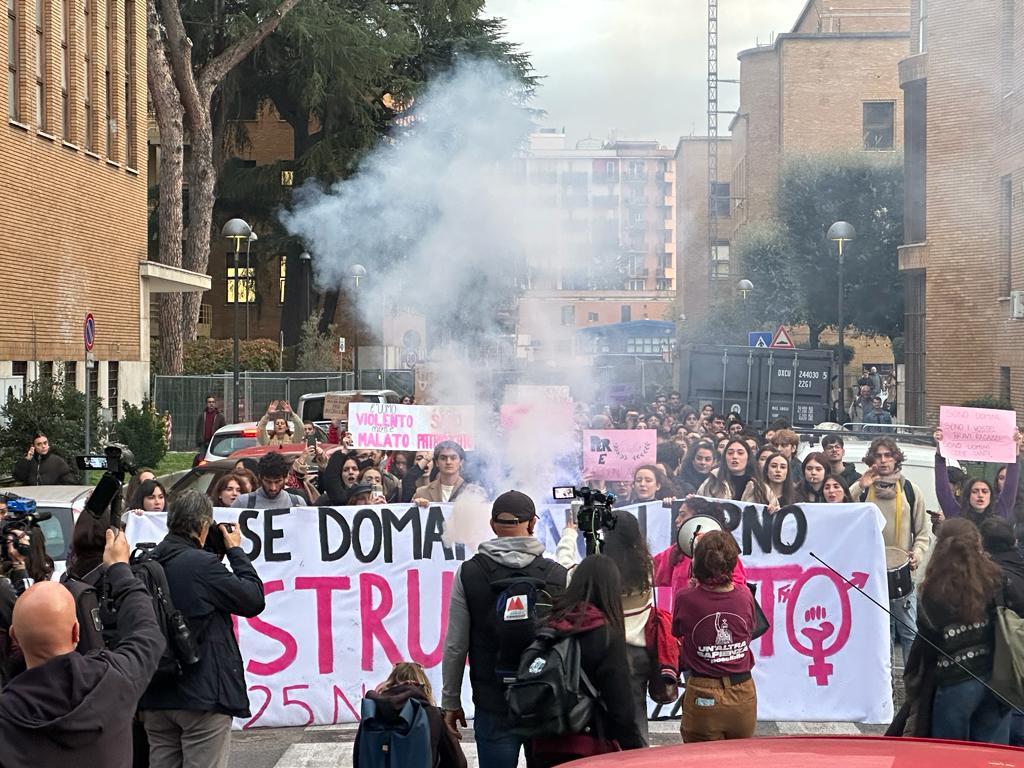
782	339
761	344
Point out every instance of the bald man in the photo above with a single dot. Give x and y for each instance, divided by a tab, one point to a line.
68	705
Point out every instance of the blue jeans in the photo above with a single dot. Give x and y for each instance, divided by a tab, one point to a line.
496	747
904	608
968	711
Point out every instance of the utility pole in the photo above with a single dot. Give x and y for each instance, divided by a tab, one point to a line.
712	145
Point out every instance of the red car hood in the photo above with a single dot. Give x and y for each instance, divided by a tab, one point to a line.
815	752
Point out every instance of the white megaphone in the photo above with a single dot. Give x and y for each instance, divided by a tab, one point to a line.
692	528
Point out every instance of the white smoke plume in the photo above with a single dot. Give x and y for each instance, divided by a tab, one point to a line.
440	217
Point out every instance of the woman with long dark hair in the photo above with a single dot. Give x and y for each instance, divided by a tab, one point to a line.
835	490
777	490
957	613
731	478
812	472
715	621
978	499
591	609
149	497
701	458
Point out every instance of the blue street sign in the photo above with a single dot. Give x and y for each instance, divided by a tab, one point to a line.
760	339
89	332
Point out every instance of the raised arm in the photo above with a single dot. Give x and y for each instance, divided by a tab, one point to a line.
947	501
1008	496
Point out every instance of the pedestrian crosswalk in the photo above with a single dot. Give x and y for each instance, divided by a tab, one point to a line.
331	746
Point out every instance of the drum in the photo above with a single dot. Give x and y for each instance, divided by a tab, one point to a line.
897	566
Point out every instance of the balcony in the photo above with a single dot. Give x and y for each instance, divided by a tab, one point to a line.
667	176
638	273
634	176
637	224
605	178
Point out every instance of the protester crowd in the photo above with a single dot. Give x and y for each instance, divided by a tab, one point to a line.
133	659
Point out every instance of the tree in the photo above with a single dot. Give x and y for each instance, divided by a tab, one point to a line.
183	87
318	351
867	191
142	429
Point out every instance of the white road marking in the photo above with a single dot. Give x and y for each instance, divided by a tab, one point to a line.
799	728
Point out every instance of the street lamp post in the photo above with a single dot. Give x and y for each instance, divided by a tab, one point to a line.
248	271
236	230
745	287
307	260
357	272
841	232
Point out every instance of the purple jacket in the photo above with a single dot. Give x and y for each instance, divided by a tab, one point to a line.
951	507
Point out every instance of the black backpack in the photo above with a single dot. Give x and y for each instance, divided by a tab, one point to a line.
522	605
182	649
87	610
551	695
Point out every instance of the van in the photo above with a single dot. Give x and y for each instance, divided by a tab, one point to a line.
311	406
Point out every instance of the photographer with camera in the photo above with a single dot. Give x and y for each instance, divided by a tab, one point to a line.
41	466
188	718
72	706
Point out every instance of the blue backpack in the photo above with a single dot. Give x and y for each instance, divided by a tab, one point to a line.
396	741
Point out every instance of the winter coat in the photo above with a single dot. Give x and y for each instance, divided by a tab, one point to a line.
77	709
672	569
48	469
447	752
208	594
200	430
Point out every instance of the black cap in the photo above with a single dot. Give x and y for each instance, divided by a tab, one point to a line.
358	489
513	507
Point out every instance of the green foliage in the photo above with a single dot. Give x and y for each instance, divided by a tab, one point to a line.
847	349
142	429
56	410
317	351
989	401
205	356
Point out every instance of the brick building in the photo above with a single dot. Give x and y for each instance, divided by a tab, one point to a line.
963	86
75	199
614	240
828	85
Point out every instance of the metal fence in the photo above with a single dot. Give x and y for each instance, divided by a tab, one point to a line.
184	397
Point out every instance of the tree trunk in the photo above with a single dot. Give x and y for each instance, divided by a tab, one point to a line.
169	118
202	181
814	338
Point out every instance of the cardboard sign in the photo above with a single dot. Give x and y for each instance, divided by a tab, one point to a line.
614	454
336	407
978	434
394	427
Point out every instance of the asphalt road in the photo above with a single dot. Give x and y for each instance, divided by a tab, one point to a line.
331	746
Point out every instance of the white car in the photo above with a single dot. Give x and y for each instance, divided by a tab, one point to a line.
231	438
64	503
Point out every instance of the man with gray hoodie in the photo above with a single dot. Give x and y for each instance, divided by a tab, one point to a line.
509	571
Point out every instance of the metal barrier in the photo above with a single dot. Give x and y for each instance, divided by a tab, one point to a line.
184	397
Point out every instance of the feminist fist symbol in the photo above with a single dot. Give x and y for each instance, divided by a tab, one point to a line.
824	631
820	670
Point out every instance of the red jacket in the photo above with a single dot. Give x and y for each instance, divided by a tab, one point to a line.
672	569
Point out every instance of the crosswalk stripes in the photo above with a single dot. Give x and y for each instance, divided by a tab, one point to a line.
322	755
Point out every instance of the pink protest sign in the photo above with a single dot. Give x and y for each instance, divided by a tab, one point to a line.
614	454
978	434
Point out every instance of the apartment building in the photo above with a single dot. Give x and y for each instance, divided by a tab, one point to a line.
614	242
831	84
75	199
963	261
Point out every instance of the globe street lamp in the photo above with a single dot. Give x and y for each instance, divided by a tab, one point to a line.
841	232
357	272
745	287
236	230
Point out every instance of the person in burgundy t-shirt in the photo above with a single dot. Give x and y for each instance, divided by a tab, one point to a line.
715	621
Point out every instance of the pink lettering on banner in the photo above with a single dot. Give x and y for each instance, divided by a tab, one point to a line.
416	652
766	577
290	648
324	586
372	618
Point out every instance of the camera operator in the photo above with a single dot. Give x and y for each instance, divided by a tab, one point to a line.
188	719
67	705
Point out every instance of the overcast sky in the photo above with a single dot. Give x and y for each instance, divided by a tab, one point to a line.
638	67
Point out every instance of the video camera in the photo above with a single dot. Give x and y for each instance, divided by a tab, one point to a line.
591	510
21	516
118	461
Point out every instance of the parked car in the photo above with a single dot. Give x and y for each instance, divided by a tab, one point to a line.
229	439
64	503
311	406
813	751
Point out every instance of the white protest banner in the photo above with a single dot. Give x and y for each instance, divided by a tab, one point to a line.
978	434
390	426
351	590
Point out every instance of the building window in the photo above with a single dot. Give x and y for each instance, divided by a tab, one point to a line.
46	370
635	284
40	68
20	368
112	393
720	201
646	345
87	55
93	372
13	103
108	77
1004	384
879	121
625	313
130	123
205	314
922	26
591	317
569	315
663	284
70	373
281	278
65	67
241	285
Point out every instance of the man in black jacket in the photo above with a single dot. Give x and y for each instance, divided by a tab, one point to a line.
188	720
41	466
68	708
